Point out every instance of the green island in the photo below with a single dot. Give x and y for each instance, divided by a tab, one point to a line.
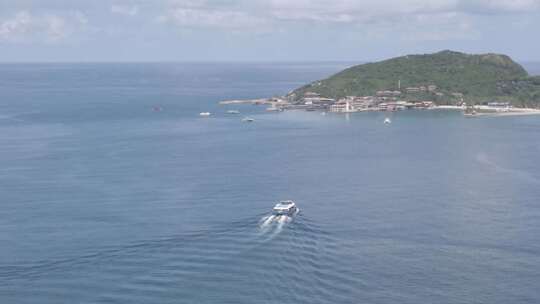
475	78
483	82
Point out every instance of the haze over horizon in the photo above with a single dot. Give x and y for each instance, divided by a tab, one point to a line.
257	30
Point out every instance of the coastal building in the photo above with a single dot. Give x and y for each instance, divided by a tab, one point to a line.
499	104
432	88
343	106
338	107
322	101
361	102
383	106
311	98
412	90
401	105
364	104
392	106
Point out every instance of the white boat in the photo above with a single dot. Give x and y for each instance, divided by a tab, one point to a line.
285	208
233	112
248	119
205	114
387	120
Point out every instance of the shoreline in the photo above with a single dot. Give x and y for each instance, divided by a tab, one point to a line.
490	111
482	110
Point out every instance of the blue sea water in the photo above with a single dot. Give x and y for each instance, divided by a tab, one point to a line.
104	200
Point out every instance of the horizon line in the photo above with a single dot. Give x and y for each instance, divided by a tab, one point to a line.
184	61
206	61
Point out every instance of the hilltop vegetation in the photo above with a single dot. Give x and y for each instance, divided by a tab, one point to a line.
478	78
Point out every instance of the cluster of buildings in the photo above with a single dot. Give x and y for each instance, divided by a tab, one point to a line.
382	101
430	88
499	105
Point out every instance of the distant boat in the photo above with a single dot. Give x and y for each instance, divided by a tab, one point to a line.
387	121
205	114
285	208
248	119
233	112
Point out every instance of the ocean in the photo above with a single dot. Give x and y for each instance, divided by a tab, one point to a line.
114	190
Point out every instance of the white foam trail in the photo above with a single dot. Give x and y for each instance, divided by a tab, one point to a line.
279	222
10	117
485	160
272	225
267	220
265	223
277	230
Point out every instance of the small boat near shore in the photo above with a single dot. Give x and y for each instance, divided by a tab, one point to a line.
205	114
248	119
470	111
233	112
387	121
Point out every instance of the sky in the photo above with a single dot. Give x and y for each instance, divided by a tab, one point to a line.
263	30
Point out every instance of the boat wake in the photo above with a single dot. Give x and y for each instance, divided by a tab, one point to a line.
272	225
515	173
305	260
13	117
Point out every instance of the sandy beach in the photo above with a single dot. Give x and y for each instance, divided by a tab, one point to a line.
491	111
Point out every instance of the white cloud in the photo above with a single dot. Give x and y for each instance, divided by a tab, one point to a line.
211	18
408	19
125	10
498	6
56	27
16	26
80	17
439	27
352	11
249	14
421	20
276	15
25	26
